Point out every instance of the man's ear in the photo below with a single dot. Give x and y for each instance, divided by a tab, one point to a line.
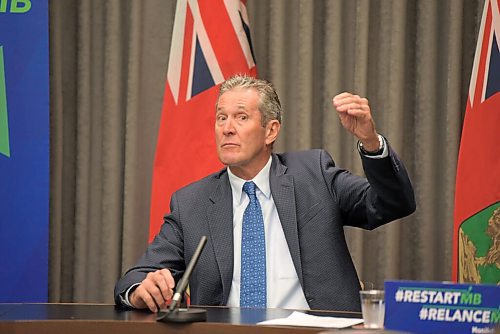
272	131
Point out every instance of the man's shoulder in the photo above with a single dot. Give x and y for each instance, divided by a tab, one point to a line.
306	157
302	154
204	185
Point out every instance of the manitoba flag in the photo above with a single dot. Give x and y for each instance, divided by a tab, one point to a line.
476	233
210	43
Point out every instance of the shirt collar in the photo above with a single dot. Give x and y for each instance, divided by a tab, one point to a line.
261	180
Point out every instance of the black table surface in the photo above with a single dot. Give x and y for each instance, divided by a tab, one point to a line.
55	318
70	311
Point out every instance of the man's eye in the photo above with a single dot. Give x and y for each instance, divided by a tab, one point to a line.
221	118
243	117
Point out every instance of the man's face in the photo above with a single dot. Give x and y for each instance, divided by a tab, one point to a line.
242	142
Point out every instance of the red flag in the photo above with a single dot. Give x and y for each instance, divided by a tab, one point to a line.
210	43
476	233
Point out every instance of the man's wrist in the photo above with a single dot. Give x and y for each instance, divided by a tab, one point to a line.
127	294
373	147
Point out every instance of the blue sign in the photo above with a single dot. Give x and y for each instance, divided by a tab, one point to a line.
24	150
437	308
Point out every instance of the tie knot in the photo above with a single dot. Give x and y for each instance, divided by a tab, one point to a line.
249	188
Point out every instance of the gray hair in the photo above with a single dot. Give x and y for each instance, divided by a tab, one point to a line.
269	106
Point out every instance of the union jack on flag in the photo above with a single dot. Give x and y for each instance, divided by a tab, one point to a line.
476	234
485	77
210	42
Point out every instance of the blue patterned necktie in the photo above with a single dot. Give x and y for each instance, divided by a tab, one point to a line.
253	253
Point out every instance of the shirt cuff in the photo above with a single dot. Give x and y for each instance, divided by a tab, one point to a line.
384	150
124	299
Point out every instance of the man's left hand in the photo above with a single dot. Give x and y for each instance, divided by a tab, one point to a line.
355	116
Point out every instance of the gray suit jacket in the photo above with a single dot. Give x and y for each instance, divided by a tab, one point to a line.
314	200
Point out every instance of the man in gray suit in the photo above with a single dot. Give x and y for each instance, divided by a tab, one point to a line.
304	202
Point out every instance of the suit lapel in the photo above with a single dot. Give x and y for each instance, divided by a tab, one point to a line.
220	221
283	191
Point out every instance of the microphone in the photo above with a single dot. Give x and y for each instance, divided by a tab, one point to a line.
174	314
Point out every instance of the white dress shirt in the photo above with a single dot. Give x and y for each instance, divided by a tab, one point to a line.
283	286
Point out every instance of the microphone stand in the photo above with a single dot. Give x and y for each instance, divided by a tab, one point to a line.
176	314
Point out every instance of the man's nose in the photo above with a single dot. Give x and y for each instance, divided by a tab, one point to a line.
228	127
